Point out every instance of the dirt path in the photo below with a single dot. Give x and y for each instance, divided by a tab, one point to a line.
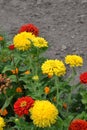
62	22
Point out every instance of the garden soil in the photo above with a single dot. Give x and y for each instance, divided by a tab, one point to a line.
63	23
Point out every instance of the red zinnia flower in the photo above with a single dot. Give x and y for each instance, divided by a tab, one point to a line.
83	78
11	47
78	124
29	28
22	105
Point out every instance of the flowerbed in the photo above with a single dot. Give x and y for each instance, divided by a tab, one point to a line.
35	92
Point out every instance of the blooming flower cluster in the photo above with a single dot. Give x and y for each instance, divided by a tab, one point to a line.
36	92
25	40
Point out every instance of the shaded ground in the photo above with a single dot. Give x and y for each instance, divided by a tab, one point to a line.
63	23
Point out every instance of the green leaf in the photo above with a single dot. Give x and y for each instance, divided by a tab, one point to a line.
7	68
7	102
13	78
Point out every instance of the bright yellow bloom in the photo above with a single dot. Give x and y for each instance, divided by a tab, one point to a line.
43	113
74	60
35	77
2	123
22	41
40	42
53	67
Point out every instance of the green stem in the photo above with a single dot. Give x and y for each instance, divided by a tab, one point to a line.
57	89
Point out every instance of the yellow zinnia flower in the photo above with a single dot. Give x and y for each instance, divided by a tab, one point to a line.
2	123
43	113
53	67
40	42
74	60
22	41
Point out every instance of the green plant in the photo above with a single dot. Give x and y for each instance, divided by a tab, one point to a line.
27	79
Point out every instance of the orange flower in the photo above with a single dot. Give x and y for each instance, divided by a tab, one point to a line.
1	38
64	105
19	90
3	112
15	71
47	90
27	72
50	76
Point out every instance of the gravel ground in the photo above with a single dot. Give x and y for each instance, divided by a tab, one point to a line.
63	23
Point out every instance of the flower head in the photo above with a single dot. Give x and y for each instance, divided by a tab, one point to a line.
74	60
2	123
29	28
36	78
83	78
22	105
65	105
43	113
15	71
3	112
23	40
47	90
53	67
19	90
11	47
27	72
1	38
78	124
40	42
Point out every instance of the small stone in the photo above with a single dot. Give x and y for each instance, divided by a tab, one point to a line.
74	49
62	29
84	1
63	48
82	18
72	36
39	2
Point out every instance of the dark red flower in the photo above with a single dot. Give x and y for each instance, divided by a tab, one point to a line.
78	124
29	28
83	78
11	47
22	105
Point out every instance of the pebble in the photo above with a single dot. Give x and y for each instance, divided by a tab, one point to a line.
83	1
73	36
63	48
39	2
